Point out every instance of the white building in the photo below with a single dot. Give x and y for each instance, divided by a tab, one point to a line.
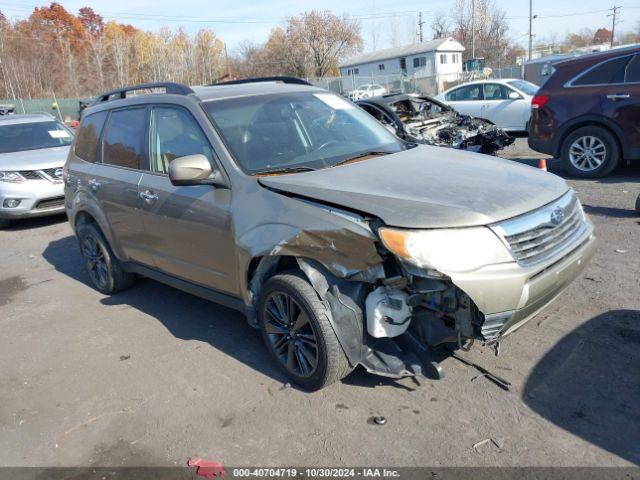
442	56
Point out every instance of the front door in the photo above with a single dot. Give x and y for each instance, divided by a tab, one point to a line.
501	110
188	227
114	180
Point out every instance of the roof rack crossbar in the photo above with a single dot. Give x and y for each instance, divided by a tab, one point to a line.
281	79
170	88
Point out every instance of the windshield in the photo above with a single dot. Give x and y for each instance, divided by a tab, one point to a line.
524	86
297	130
17	137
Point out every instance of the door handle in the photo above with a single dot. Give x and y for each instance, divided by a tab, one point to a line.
148	196
618	96
94	184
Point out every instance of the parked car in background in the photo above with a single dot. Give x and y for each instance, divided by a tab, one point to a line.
345	245
588	112
423	119
367	91
33	149
505	102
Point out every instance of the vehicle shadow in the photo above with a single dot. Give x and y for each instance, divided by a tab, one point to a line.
611	211
35	222
589	383
186	316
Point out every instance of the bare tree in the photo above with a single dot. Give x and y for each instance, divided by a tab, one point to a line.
440	25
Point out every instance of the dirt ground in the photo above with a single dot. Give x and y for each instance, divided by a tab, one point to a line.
153	376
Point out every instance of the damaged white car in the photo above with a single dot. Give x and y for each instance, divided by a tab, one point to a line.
422	119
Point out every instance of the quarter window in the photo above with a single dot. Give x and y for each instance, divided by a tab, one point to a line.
174	133
611	71
122	144
88	137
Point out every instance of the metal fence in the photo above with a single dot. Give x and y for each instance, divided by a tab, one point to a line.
68	108
431	85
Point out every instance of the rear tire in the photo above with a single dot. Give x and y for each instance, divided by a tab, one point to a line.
590	152
298	334
105	270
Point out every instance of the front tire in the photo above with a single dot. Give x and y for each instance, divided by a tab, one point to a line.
298	334
590	152
105	270
4	223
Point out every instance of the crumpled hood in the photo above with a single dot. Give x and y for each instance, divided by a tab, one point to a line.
34	159
428	187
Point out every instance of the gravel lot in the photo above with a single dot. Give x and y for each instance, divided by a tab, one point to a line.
153	376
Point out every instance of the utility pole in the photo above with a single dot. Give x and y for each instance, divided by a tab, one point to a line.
420	24
473	28
613	22
530	28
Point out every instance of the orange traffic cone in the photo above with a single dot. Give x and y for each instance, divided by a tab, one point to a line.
542	164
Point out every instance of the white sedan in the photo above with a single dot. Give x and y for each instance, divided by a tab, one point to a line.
368	91
504	102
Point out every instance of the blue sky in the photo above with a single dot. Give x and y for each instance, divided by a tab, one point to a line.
396	20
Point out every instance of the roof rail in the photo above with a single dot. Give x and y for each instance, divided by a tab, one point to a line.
291	80
170	87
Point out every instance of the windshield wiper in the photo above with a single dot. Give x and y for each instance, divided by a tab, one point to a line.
285	170
361	155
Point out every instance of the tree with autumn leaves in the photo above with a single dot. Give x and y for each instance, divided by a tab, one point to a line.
56	52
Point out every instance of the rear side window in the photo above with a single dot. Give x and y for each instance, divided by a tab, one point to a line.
632	74
123	140
611	71
88	137
471	92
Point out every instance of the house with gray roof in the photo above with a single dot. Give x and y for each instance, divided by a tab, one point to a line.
442	56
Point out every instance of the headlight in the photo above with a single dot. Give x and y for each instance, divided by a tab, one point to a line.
13	177
454	250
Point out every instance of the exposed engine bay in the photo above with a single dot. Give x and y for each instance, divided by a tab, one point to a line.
422	119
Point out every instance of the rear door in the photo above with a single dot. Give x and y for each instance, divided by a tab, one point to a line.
188	227
114	180
467	99
621	99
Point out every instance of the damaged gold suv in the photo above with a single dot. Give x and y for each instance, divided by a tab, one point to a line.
345	245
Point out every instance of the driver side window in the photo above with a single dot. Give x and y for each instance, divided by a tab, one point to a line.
174	133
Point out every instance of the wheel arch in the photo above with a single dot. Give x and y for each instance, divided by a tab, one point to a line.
590	121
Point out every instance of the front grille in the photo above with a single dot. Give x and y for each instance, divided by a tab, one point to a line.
30	175
539	235
50	203
52	173
44	174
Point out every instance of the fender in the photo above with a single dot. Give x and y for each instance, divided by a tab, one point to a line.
344	252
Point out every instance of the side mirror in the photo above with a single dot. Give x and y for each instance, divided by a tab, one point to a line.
193	170
514	96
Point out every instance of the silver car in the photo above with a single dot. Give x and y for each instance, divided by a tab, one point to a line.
345	245
33	149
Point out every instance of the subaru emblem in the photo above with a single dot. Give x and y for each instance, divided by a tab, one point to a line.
557	216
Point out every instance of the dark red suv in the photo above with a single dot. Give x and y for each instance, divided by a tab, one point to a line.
588	112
